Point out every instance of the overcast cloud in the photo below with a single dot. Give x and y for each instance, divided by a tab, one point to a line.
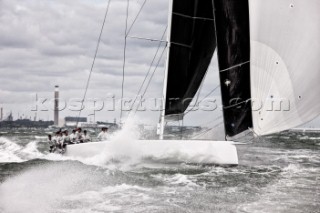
45	43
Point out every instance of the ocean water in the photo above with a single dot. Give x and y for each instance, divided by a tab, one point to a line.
279	173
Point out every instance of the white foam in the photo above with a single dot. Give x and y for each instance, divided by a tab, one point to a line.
177	179
134	152
12	152
9	150
303	138
40	137
314	138
109	199
125	147
69	187
41	188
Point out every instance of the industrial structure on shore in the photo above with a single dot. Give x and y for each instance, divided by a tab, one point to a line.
56	106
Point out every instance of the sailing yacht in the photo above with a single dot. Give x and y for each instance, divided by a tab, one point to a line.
269	71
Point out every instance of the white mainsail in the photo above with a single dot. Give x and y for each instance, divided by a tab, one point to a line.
285	64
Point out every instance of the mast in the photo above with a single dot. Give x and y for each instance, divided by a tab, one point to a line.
215	31
164	92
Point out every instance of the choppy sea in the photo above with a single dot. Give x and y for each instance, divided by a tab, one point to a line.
278	173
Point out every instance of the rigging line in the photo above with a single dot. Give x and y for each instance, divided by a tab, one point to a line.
203	98
135	19
148	39
207	130
148	84
212	91
124	59
94	59
145	91
216	125
200	88
214	120
198	95
196	102
150	67
201	133
256	134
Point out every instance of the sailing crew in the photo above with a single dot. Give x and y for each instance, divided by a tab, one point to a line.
56	139
103	135
86	138
60	141
73	137
78	136
66	138
51	143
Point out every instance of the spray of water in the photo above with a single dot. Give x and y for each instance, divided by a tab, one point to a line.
126	149
42	188
13	152
46	187
120	149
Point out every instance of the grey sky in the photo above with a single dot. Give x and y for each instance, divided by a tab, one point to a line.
45	43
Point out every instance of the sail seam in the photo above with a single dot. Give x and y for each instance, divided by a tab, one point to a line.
179	44
238	65
228	107
192	17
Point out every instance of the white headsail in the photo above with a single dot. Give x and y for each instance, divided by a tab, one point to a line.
285	64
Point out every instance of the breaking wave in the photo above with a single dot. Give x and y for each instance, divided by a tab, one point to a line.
13	152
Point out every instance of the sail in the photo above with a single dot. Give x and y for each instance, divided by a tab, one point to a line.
233	45
192	43
285	65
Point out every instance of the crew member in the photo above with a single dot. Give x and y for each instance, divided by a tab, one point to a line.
79	136
103	135
86	138
66	138
73	137
52	144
